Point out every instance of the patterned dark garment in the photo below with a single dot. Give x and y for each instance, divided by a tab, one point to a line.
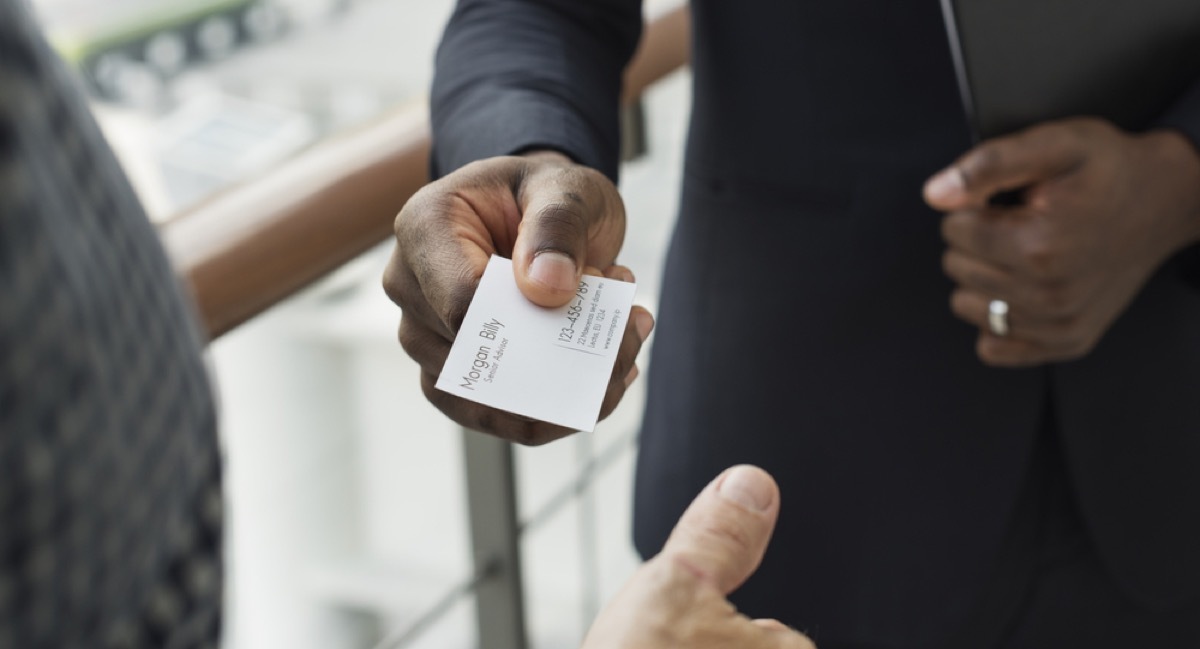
110	507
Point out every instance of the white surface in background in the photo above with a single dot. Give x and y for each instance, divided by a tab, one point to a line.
346	489
321	380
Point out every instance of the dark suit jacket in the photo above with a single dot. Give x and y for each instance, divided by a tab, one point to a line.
110	485
804	324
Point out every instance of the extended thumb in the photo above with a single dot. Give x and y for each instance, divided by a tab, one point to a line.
572	218
725	531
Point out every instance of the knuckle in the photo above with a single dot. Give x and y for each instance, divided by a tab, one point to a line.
393	283
406	336
529	434
947	229
987	351
956	227
412	220
1054	299
518	430
408	215
579	182
428	389
613	396
398	280
949	263
974	277
490	421
428	265
412	338
982	162
573	178
441	400
985	355
582	196
402	226
966	273
525	434
1041	257
454	305
562	222
960	304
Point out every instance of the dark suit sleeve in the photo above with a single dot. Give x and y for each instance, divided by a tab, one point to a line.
514	75
1184	114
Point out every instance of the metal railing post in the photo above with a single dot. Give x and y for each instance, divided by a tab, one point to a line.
495	541
635	141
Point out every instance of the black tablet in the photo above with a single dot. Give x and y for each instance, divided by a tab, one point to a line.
1020	62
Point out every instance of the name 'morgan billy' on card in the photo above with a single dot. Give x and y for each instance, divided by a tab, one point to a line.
553	365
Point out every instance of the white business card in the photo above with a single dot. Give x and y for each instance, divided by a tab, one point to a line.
553	365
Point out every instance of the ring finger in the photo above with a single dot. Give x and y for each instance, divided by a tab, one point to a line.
974	307
973	273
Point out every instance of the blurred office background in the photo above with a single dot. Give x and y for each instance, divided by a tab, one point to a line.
348	522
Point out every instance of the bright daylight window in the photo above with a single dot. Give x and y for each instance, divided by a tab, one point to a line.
196	94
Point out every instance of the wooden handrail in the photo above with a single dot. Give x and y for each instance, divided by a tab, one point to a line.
249	247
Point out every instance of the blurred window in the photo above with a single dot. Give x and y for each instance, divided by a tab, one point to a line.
197	94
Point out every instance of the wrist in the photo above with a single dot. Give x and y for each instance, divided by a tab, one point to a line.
1177	159
547	155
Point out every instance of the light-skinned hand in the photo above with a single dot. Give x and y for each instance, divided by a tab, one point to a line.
677	599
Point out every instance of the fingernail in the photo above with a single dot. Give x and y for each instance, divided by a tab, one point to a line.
644	323
945	186
553	269
632	375
747	487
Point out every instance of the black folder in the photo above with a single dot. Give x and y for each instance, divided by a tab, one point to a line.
1020	62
